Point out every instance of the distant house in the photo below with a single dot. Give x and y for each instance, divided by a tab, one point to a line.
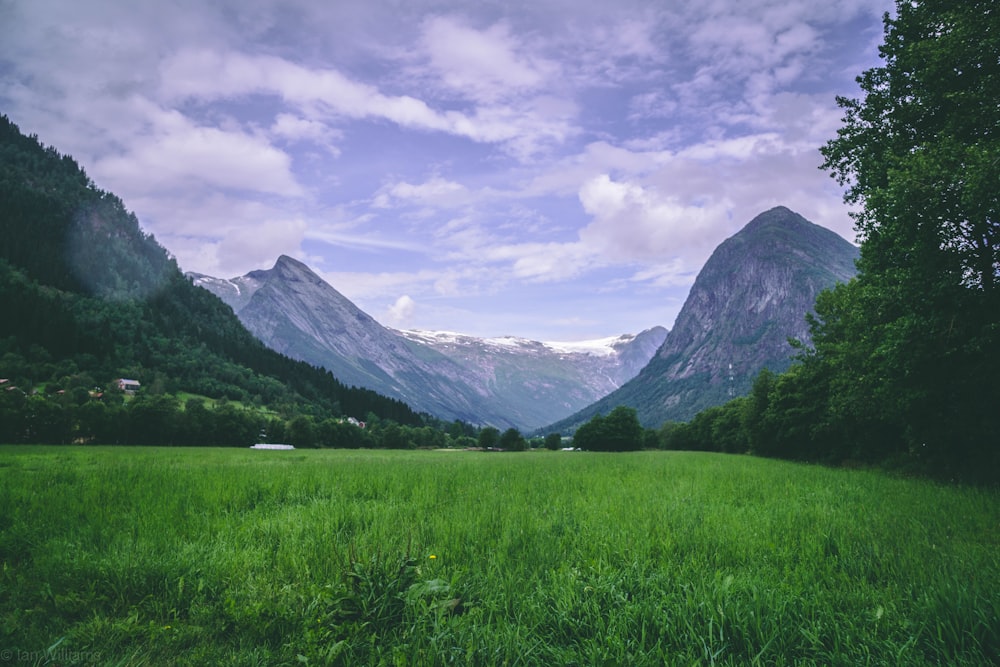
128	386
7	386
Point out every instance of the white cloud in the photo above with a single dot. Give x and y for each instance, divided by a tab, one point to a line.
672	273
483	65
207	75
295	128
259	245
436	191
210	75
401	312
176	153
635	223
651	105
543	262
446	150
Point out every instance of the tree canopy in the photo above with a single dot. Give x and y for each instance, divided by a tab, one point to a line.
912	343
620	431
905	364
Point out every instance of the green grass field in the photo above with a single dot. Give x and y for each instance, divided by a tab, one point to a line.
137	556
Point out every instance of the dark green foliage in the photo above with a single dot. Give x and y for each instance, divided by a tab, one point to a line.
618	432
511	440
553	441
906	357
914	345
339	434
489	438
85	293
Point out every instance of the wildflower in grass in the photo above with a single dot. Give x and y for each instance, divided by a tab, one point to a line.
432	557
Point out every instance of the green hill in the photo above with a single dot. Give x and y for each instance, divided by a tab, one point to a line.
88	297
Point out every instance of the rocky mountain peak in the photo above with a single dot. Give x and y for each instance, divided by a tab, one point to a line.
751	296
503	382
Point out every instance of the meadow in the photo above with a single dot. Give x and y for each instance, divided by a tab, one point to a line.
157	556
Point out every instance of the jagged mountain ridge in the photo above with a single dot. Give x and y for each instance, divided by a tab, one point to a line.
751	296
501	382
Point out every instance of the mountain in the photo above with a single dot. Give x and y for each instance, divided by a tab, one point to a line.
750	298
87	296
293	311
536	380
504	382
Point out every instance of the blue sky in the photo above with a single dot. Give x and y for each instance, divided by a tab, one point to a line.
555	170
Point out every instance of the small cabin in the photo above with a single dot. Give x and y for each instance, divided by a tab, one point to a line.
128	386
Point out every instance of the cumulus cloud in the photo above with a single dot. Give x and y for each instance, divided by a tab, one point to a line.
401	312
635	223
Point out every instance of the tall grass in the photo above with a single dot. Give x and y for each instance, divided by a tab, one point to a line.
211	556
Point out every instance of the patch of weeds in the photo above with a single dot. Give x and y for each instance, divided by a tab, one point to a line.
377	598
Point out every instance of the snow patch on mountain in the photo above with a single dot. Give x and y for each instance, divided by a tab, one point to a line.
599	347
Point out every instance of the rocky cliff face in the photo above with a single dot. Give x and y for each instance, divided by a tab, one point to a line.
750	297
502	382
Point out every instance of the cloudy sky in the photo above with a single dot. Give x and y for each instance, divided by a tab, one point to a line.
554	169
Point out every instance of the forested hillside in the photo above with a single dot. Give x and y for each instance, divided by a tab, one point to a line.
87	297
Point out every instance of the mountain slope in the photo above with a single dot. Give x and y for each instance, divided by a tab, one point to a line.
87	295
502	382
748	300
293	311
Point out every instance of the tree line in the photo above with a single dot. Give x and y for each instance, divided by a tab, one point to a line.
904	368
79	415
